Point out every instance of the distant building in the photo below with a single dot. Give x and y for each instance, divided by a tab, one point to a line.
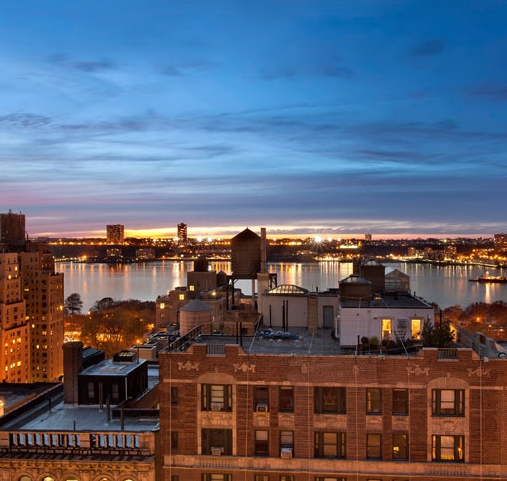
115	234
500	242
14	326
12	228
182	234
43	291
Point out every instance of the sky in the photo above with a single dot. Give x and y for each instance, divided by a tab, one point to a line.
327	117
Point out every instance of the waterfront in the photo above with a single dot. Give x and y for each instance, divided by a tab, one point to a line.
446	285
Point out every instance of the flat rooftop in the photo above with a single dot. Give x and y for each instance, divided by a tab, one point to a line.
295	342
67	417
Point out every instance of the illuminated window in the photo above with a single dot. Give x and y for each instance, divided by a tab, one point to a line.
386	328
416	328
400	446
162	305
448	448
181	297
191	288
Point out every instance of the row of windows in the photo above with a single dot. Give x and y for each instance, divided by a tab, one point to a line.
329	445
332	400
266	477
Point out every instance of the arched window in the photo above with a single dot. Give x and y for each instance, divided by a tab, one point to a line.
25	478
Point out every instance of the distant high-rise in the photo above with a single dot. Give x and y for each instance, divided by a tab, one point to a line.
182	233
31	309
44	296
12	228
115	234
14	327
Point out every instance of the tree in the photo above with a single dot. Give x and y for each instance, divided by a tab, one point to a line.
438	335
73	303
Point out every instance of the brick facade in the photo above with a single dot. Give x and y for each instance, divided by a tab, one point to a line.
480	427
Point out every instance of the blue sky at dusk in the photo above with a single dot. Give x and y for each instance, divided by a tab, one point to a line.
330	117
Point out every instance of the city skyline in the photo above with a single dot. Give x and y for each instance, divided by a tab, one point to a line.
324	118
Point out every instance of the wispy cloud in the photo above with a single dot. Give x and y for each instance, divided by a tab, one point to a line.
434	46
89	66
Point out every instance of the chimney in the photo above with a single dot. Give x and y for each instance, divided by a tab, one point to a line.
72	366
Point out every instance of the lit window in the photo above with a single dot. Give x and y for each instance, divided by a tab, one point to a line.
386	328
181	297
416	328
448	448
162	305
400	446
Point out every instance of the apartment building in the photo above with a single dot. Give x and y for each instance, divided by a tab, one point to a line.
299	409
14	328
43	291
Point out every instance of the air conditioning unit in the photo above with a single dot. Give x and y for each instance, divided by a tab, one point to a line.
286	453
216	451
262	408
216	406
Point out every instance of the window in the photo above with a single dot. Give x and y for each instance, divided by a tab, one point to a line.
175	477
261	477
400	401
287	477
373	401
216	477
416	328
174	440
448	402
261	399
400	446
286	403
286	439
448	448
329	445
262	443
373	446
327	478
217	441
216	397
386	328
329	400
174	396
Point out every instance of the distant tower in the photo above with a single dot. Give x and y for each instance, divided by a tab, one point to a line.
115	234
12	228
367	237
182	233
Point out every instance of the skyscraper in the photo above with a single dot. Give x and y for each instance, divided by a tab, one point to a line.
14	329
31	310
182	233
115	234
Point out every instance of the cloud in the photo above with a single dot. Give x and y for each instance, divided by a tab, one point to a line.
434	46
89	66
491	92
25	120
186	69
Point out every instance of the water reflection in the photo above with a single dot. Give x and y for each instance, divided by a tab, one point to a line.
445	286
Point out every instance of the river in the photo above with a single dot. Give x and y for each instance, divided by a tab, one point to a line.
446	285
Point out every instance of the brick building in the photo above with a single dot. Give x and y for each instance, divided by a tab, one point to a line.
301	410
